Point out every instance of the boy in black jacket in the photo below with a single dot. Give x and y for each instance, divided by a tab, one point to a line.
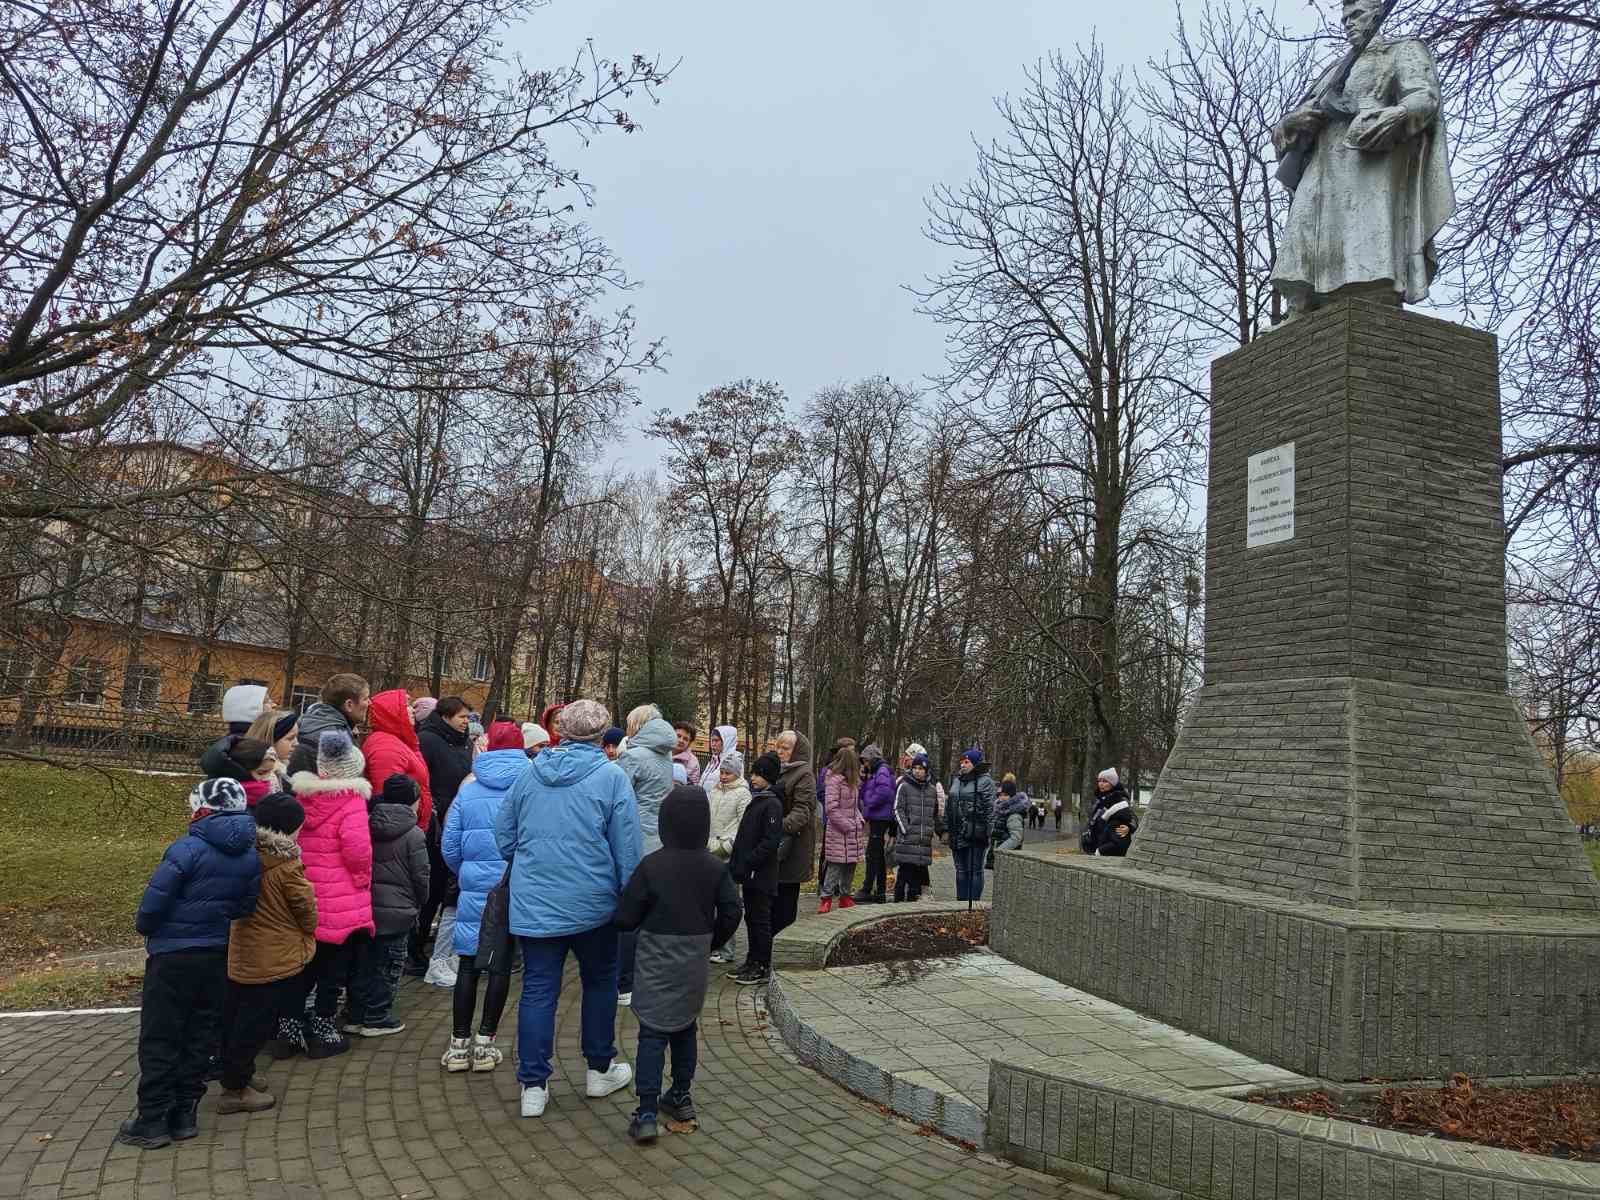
401	873
682	902
754	866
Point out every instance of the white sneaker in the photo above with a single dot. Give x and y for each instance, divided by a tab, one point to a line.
624	999
486	1056
534	1099
459	1056
598	1084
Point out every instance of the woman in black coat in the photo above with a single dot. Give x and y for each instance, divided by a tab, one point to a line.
447	749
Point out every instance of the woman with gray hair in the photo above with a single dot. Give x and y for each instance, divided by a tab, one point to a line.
569	826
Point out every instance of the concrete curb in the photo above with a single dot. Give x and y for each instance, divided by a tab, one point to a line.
949	1114
806	944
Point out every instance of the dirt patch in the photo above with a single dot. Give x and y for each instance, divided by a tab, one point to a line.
911	939
1559	1120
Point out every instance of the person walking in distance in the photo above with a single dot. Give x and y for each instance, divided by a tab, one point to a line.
798	850
471	851
569	826
844	829
877	805
679	903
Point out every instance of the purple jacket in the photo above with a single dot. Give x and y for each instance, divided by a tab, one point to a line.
877	794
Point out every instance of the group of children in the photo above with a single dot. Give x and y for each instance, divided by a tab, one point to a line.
272	897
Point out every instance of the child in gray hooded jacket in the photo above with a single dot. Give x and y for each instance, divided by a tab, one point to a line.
682	901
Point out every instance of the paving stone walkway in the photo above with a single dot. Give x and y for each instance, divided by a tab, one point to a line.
385	1121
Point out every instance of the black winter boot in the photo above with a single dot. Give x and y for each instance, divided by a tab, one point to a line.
147	1133
183	1120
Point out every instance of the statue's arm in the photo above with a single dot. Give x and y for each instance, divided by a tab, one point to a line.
1413	95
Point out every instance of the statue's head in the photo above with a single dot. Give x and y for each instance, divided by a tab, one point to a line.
1358	17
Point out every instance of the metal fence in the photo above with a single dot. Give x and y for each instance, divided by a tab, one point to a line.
149	739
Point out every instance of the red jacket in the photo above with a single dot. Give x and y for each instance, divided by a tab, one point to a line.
391	748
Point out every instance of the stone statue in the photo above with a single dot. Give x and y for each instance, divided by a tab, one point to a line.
1375	187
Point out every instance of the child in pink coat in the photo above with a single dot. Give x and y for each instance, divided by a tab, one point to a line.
336	847
843	828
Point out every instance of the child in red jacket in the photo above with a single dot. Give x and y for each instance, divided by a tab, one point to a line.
392	748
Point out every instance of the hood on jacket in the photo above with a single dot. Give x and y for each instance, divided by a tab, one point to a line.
655	735
318	719
685	818
391	713
277	843
548	719
1013	804
390	821
434	723
242	704
230	832
499	769
802	752
215	763
568	764
306	784
729	737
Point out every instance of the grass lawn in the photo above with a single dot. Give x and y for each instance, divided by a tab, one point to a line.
1592	849
76	850
70	987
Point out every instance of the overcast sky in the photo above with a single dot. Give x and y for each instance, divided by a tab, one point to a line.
771	207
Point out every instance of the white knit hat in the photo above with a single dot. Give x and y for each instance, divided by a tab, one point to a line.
243	703
534	735
1109	775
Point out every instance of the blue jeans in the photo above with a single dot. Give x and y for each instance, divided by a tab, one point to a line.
653	1045
969	871
543	961
376	977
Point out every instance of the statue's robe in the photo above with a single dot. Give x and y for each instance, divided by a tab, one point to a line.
1361	217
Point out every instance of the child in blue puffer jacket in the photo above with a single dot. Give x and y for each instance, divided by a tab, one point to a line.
469	850
206	880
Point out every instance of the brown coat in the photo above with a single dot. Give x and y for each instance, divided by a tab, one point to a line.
800	819
278	939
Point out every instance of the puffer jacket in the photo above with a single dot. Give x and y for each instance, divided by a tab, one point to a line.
1112	810
314	722
1010	819
969	807
877	793
570	826
468	844
799	815
278	939
447	751
647	763
754	862
215	763
208	878
392	748
916	818
727	810
843	823
336	844
399	868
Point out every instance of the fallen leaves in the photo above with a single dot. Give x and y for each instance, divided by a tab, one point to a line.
682	1126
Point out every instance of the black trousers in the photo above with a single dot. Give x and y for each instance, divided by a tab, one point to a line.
333	968
440	884
877	880
250	1013
180	1016
758	925
785	907
465	998
909	880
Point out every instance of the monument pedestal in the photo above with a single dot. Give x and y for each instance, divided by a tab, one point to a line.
1356	863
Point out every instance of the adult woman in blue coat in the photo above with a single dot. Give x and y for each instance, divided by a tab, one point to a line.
471	852
572	825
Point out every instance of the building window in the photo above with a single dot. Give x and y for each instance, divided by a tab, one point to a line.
205	693
143	689
16	671
302	697
480	666
86	681
444	661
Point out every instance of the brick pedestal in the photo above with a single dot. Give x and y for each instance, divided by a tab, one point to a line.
1356	862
